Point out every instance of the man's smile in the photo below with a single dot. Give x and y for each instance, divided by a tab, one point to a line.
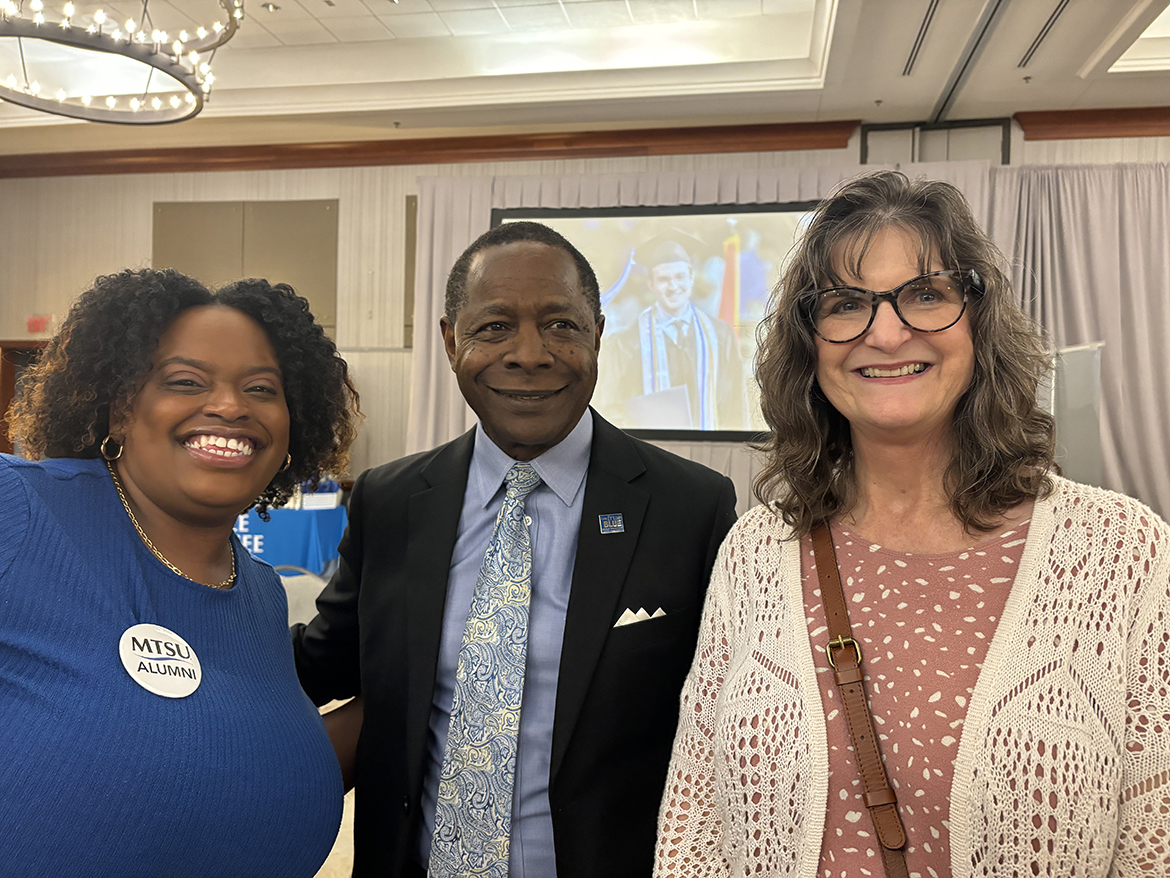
526	395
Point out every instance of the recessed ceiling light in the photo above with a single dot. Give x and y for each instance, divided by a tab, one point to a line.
271	7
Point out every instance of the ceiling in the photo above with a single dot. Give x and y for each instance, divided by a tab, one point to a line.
339	70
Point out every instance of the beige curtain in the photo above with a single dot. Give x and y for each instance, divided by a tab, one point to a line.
452	212
1090	254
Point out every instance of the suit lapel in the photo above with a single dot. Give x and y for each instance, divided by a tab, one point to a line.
433	523
599	572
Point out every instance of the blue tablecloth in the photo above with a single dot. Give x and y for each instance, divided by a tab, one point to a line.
305	538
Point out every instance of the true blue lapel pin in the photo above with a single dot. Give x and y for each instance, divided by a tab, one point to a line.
612	523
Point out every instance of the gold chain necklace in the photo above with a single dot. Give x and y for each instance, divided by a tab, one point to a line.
226	584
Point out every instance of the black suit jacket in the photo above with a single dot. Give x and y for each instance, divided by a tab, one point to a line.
379	624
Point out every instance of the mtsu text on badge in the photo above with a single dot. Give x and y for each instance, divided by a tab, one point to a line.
159	660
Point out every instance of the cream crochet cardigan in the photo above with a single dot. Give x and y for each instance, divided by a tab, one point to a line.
1063	768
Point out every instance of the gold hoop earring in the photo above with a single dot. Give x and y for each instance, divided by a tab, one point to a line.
105	450
287	462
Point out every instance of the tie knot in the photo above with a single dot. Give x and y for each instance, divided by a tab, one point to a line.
521	480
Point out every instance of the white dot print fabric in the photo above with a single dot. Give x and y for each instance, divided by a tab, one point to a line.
924	623
1061	762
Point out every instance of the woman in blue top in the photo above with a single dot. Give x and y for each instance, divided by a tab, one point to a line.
151	722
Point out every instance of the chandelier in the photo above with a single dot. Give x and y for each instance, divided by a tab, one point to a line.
93	67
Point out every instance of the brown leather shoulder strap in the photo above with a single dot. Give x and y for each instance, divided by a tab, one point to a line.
844	655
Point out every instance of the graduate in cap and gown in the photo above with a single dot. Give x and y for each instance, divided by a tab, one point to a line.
676	366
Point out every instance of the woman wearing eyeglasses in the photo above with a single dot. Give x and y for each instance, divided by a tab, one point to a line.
929	654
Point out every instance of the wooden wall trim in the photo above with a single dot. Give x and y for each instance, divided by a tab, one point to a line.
438	150
1084	124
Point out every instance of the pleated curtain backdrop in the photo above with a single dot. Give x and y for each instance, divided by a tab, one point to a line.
1089	248
452	212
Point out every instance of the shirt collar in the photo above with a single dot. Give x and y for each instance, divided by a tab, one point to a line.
562	467
662	317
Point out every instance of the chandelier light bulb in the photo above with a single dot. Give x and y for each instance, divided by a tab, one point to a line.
73	27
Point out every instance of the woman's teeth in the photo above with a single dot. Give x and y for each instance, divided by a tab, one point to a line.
221	446
911	369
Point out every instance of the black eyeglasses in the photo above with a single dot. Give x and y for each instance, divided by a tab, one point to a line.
930	302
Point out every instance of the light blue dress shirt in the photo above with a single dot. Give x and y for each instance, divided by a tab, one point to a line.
554	519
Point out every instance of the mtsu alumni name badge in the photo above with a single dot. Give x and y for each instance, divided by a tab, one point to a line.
160	661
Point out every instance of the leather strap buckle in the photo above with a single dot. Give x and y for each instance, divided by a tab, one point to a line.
842	642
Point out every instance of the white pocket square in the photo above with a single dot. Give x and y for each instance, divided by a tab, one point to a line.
629	617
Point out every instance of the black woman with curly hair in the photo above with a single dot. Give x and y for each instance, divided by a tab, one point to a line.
150	711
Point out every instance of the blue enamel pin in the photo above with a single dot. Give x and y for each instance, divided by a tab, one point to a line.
612	523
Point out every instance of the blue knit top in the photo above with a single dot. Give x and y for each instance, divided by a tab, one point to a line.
100	777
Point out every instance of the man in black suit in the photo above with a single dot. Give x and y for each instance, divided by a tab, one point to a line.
624	537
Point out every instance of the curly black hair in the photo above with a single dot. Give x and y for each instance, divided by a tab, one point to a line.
96	364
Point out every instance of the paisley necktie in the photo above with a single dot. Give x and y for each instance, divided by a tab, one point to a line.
473	815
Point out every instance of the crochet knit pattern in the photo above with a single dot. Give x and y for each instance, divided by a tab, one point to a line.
1063	767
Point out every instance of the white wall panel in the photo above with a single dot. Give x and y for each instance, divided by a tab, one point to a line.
383	380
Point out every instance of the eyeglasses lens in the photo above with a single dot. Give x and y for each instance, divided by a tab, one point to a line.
928	303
